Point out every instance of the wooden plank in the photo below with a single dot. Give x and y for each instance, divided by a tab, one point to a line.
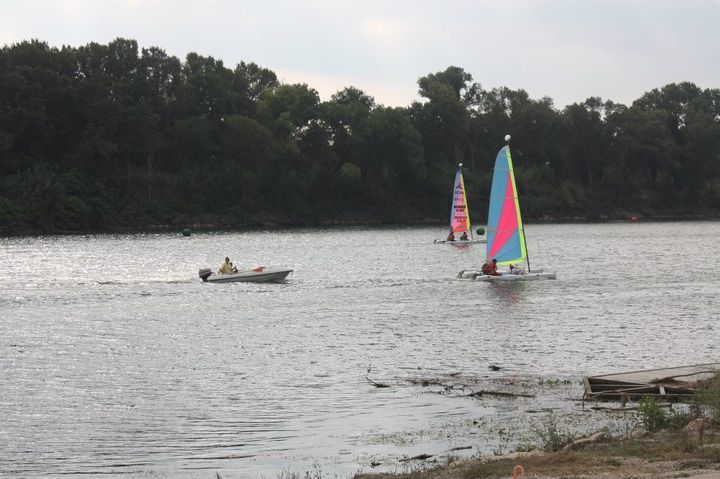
678	382
687	373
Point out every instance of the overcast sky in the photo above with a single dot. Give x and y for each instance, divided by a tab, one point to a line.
565	49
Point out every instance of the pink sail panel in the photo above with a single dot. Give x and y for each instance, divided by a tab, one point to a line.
459	219
507	226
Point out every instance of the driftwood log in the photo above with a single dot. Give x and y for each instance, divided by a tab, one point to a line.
376	384
420	457
498	393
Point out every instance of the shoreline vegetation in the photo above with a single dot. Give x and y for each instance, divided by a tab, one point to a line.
103	137
644	439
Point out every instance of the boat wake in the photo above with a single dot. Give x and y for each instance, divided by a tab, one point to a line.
144	281
392	282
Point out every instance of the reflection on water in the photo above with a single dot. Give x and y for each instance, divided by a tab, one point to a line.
507	294
116	359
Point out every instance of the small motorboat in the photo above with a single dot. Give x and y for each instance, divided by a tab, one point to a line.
259	274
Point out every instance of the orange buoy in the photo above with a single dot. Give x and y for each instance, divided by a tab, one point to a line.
518	472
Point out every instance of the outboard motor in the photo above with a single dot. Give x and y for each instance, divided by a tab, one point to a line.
205	274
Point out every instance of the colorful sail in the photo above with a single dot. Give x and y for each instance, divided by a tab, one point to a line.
459	218
506	239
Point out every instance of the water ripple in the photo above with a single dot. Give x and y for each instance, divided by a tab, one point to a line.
115	359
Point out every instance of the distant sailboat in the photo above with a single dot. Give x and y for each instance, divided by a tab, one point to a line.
506	235
459	214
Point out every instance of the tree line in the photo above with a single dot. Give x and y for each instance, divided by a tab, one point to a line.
101	137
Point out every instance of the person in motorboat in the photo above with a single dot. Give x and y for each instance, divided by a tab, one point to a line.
451	236
464	236
490	269
227	267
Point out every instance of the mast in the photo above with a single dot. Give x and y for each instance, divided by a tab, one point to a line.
527	252
527	255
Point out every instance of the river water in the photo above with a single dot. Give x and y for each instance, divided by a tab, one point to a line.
115	359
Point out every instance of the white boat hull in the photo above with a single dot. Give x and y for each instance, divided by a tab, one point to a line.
267	274
473	241
516	277
532	275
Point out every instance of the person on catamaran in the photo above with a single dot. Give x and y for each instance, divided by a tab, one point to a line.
464	236
227	267
451	236
515	269
490	269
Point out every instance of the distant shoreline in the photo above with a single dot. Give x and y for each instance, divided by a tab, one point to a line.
339	224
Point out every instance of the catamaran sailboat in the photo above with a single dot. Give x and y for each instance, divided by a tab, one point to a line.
506	235
459	214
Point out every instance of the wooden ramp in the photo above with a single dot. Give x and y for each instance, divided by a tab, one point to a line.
673	384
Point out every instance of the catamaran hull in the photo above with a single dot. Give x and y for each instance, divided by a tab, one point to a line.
533	275
515	277
460	241
266	275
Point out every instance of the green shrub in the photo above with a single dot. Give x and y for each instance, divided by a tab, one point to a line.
551	437
708	399
653	417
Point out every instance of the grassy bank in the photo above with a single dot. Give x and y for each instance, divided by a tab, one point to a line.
661	441
669	453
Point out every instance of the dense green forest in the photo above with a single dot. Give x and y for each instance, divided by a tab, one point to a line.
112	136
